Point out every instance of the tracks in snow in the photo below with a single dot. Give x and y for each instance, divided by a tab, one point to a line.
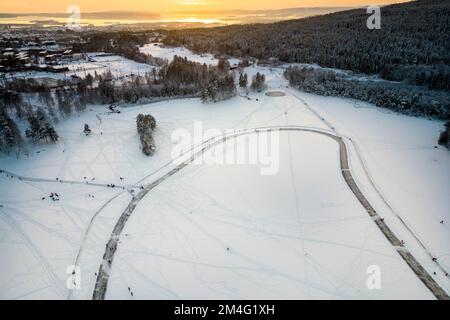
361	158
101	284
31	179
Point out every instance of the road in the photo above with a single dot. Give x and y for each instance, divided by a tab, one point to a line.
101	284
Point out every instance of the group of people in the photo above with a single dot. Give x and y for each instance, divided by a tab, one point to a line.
54	196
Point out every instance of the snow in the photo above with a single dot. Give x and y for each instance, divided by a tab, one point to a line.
404	163
120	67
157	49
297	234
97	63
40	238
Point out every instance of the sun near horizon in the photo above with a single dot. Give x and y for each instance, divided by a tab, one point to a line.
59	6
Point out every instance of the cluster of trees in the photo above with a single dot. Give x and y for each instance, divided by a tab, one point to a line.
68	96
258	82
145	126
40	128
10	100
221	88
10	135
181	77
435	77
400	97
98	41
124	43
212	83
243	80
412	44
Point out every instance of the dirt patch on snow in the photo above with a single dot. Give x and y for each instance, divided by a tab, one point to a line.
275	94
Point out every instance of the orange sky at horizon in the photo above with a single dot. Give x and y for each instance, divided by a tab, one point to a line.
51	6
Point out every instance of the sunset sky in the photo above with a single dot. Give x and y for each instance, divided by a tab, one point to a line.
34	6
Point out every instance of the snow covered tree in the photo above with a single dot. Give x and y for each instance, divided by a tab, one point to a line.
49	133
10	136
210	92
243	80
64	105
107	91
223	65
40	128
34	130
399	96
227	87
89	80
145	126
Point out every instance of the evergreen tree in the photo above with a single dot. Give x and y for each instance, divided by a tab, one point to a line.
40	128
223	65
87	131
10	136
243	80
145	125
258	82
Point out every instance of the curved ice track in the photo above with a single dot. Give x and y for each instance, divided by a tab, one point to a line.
101	284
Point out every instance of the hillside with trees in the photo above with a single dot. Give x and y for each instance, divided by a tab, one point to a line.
413	44
397	96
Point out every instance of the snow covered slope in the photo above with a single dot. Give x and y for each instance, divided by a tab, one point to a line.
97	63
157	49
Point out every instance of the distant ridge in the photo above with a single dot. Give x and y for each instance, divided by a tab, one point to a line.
129	15
251	15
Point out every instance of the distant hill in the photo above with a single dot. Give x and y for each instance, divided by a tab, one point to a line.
260	16
113	15
225	17
412	45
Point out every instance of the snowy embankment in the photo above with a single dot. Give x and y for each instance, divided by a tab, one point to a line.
298	234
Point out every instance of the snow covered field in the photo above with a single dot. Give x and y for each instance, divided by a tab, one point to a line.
299	234
120	67
296	235
97	63
159	50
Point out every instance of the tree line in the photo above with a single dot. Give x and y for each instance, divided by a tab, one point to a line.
400	97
